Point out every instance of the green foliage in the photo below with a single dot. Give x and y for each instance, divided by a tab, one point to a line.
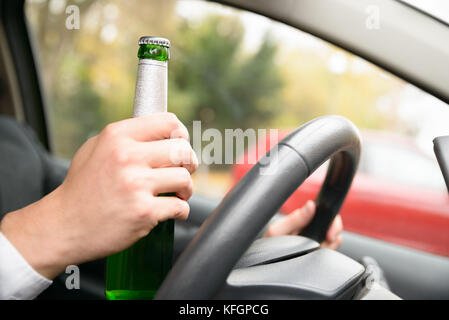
90	82
212	80
75	109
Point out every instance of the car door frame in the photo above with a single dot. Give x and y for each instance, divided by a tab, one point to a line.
17	45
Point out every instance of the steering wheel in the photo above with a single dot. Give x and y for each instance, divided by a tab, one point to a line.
226	234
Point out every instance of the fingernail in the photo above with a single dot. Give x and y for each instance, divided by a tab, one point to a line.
306	210
310	204
180	133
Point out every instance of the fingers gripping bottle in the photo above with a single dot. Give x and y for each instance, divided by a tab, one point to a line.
137	272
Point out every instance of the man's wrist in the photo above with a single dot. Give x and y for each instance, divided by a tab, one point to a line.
35	232
19	280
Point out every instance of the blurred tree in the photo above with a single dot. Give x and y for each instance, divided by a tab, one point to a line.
76	113
212	80
89	74
73	105
312	90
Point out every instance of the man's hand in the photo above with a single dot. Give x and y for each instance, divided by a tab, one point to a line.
109	199
299	219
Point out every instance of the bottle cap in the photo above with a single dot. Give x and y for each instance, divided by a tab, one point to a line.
155	40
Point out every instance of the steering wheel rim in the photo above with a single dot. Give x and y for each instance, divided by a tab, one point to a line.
226	234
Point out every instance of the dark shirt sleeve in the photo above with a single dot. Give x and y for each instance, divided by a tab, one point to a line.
27	171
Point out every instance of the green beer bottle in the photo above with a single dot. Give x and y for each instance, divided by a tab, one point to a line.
137	272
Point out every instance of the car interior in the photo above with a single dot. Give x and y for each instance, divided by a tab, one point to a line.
223	236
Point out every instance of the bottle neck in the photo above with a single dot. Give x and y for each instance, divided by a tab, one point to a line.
153	52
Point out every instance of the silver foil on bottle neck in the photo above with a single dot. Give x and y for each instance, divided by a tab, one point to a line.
151	88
